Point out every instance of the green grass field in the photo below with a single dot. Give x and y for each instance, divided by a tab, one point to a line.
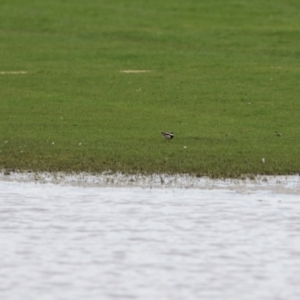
224	77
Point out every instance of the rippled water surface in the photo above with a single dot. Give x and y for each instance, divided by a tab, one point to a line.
62	242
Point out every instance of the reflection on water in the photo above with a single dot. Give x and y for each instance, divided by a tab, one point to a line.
60	242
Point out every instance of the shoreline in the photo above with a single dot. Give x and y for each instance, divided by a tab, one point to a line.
278	184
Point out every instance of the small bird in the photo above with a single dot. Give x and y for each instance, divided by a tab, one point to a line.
168	135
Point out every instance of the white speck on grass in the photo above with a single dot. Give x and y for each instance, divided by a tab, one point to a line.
135	71
53	143
263	160
184	147
13	72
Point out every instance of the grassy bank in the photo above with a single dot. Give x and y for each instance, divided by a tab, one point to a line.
224	77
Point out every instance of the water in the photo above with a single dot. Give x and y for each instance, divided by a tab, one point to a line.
63	242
